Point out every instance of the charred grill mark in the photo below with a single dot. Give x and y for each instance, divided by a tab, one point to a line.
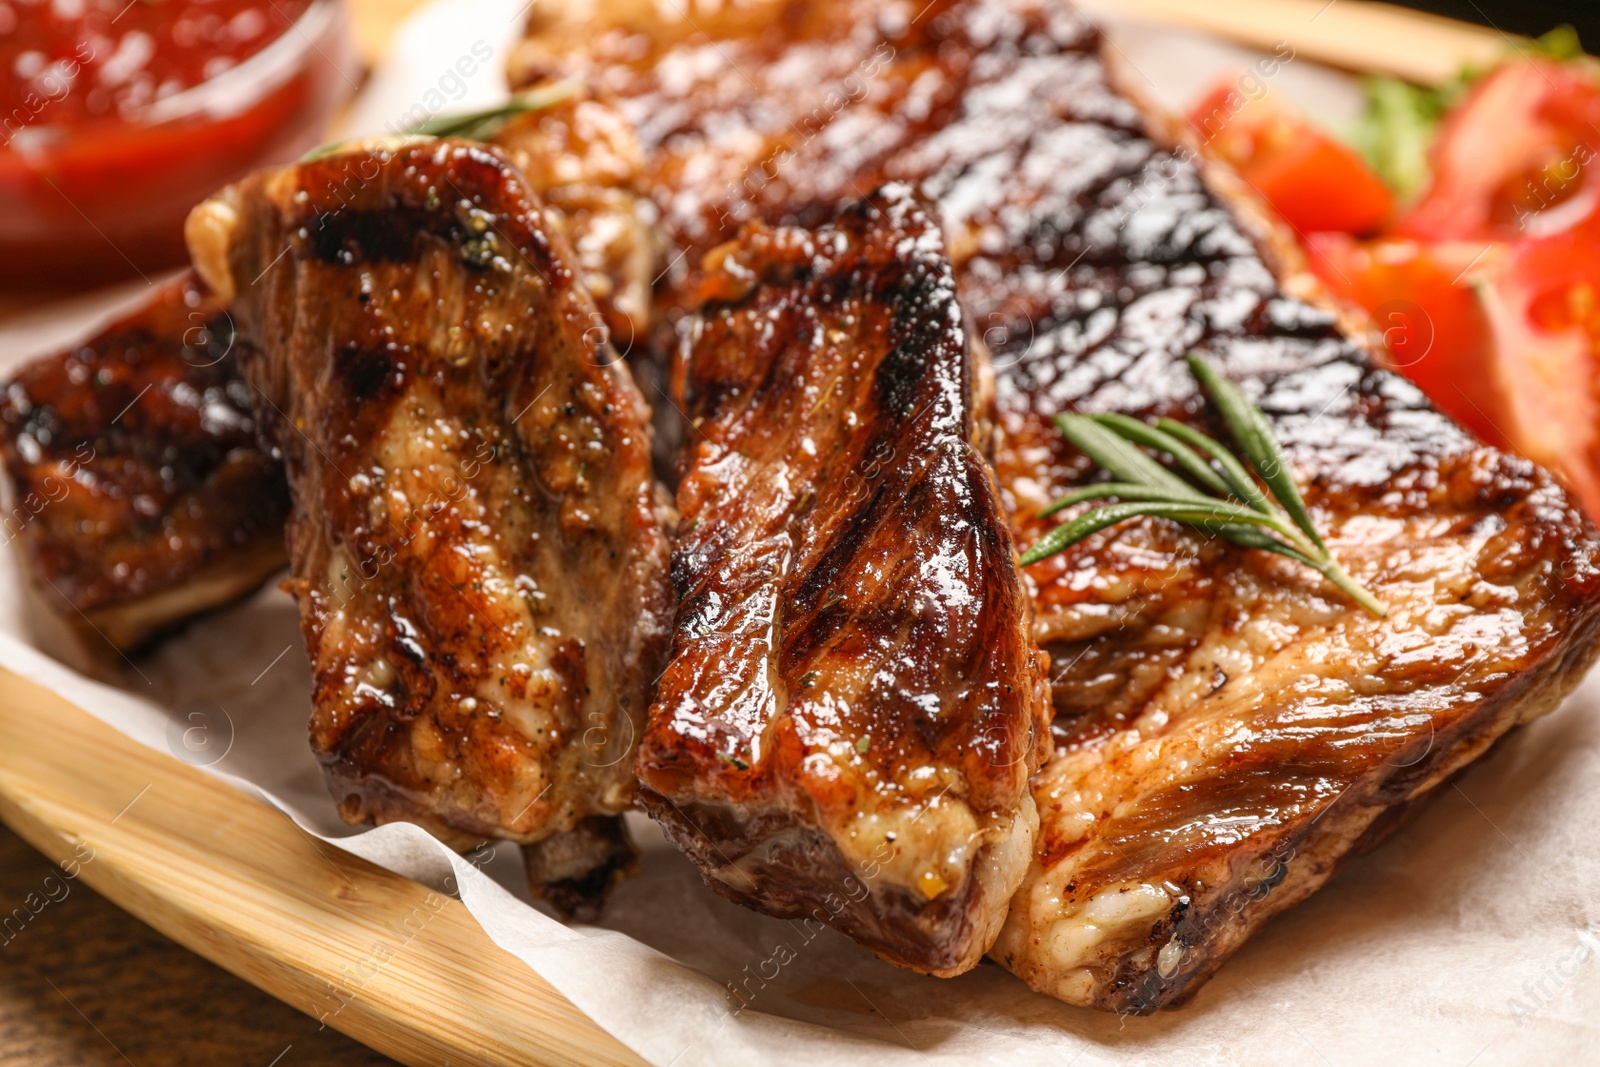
367	375
356	212
385	234
851	609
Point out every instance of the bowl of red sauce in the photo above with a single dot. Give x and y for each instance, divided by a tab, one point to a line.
118	116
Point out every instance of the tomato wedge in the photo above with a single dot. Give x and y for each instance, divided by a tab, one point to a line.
1422	297
1314	181
1504	338
1516	158
1486	290
1543	305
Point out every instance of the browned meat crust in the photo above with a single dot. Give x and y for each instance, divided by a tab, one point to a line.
583	159
780	110
1228	727
476	549
140	496
854	703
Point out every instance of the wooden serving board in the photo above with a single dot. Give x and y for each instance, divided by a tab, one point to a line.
237	882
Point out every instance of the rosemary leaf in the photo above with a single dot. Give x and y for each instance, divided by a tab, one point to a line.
1101	490
1125	462
1155	437
1214	515
1240	484
1238	510
486	122
1255	537
1249	536
1249	427
477	125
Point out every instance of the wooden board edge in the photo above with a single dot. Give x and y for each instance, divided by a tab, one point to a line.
1354	35
381	958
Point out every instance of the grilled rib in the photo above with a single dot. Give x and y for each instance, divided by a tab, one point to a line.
141	498
854	704
174	510
475	541
780	110
1228	728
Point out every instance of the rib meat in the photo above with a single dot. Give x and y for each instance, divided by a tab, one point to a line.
174	509
854	703
141	498
1229	729
780	110
476	544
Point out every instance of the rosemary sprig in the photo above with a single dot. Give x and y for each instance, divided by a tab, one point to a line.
1220	495
477	125
483	124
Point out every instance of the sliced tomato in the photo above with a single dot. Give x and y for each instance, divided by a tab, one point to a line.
1516	158
1543	305
1314	181
1421	295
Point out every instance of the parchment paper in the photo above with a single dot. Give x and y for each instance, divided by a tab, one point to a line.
1470	937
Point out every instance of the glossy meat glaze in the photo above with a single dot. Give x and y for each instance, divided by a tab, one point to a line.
1229	728
585	161
780	110
854	702
476	542
141	498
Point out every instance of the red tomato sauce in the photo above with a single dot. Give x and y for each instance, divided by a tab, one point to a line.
67	62
117	116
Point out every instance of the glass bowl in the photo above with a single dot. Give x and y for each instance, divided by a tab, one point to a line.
88	200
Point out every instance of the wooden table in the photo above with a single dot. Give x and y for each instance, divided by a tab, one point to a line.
85	984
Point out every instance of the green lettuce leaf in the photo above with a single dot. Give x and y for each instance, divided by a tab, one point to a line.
1402	120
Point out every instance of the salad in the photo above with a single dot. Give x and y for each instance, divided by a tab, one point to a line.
1465	221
